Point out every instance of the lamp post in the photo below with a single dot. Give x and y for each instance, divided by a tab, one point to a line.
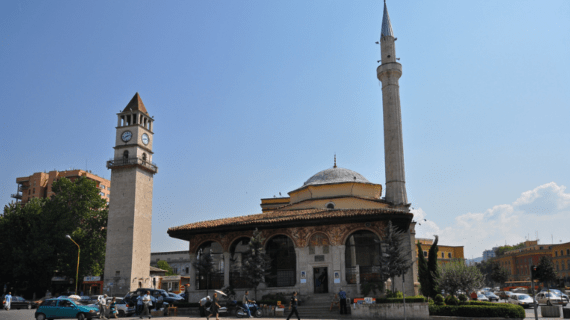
78	252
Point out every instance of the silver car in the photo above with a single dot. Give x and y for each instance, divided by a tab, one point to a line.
549	299
521	299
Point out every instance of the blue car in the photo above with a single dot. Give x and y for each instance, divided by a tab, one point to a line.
63	308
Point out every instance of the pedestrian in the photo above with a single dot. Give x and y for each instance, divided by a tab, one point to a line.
293	306
214	307
342	296
204	303
335	302
146	305
139	304
113	308
473	295
102	302
7	301
187	293
245	302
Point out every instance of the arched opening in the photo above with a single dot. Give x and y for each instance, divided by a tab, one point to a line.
330	205
144	158
362	255
281	251
126	156
214	278
319	242
238	250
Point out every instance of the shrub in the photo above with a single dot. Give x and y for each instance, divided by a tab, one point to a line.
438	300
394	294
367	286
462	298
411	299
451	300
500	310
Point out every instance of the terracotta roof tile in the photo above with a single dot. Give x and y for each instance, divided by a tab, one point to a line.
279	216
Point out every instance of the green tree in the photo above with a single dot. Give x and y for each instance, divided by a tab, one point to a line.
455	276
165	266
256	262
499	274
433	269
423	273
205	267
545	271
395	256
34	242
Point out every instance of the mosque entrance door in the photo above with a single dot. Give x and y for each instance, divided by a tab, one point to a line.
320	280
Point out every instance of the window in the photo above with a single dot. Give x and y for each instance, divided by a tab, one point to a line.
362	255
238	251
556	253
318	240
34	191
117	273
102	187
281	251
443	254
449	255
330	205
425	253
561	253
187	270
144	157
102	194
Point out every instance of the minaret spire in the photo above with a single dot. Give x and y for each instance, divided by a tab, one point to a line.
389	72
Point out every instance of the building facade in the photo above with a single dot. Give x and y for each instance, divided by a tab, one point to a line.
326	234
561	260
518	261
179	261
127	258
446	253
39	184
488	254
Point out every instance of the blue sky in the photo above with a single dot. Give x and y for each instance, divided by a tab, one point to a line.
251	98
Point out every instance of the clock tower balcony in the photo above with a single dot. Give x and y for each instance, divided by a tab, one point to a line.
132	162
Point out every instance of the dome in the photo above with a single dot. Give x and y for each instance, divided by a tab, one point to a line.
335	175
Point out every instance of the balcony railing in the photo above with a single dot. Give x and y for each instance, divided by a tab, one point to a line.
16	196
114	163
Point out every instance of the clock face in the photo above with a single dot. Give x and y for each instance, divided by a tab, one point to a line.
126	136
145	138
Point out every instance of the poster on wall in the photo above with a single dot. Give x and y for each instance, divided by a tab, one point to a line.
303	275
337	277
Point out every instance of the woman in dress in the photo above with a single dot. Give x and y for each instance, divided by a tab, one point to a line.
335	302
113	308
214	307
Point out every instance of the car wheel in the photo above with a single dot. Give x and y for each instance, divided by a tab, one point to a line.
81	316
29	306
121	313
548	303
41	316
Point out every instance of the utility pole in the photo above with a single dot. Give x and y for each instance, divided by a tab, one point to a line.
533	269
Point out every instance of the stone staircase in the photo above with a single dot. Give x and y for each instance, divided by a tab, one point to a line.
316	306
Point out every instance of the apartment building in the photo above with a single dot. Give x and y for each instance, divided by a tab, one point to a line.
445	253
38	185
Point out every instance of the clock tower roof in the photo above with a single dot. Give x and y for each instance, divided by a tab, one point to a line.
136	104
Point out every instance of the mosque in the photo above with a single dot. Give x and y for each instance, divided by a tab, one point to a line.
327	233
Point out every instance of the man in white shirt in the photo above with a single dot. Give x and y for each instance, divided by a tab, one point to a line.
146	305
8	299
102	302
203	305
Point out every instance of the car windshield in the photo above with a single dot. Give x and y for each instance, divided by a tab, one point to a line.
524	296
551	295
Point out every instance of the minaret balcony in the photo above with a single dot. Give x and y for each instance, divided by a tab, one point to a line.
16	196
129	162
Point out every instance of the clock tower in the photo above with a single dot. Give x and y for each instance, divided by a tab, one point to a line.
127	258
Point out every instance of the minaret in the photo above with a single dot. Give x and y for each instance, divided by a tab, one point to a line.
129	226
389	72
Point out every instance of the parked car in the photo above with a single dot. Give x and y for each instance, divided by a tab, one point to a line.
124	309
491	296
482	297
521	299
549	299
65	308
21	303
175	296
505	295
558	292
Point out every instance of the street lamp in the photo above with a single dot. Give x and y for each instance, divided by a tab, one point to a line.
78	252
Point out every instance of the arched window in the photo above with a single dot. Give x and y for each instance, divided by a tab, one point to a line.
238	249
210	251
330	205
144	157
319	240
362	255
126	156
283	270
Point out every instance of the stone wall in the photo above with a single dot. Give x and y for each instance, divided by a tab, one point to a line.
390	311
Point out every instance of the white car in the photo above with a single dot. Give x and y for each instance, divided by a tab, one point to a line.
521	299
549	299
482	297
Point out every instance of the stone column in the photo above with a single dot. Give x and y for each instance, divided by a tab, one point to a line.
226	269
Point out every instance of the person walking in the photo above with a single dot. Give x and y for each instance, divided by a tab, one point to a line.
335	302
342	296
102	302
204	303
113	308
293	306
139	304
7	301
146	305
245	301
214	307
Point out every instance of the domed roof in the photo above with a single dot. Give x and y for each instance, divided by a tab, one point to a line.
335	175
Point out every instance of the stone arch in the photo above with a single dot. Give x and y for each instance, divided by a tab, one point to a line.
363	250
283	270
318	239
351	231
214	279
237	250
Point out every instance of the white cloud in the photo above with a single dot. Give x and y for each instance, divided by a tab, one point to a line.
545	210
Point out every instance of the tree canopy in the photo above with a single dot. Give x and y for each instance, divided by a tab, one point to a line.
545	270
455	276
165	266
256	262
395	255
34	244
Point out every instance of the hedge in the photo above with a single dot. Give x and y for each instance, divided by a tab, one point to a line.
501	310
401	300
